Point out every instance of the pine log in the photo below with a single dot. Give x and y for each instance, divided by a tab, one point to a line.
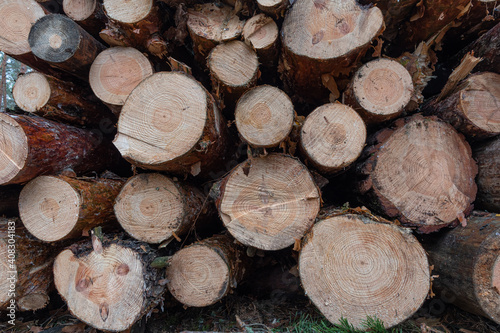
380	90
324	38
473	108
154	208
210	24
89	14
204	272
33	146
268	202
273	8
111	285
57	39
171	123
9	199
234	68
26	274
261	33
56	208
467	261
136	24
57	100
487	156
264	116
353	267
419	171
115	72
332	138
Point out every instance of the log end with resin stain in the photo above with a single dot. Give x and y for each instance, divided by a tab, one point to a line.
353	267
264	116
269	202
332	138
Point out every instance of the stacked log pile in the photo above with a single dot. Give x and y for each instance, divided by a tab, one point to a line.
225	131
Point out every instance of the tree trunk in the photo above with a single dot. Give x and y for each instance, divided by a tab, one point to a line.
234	68
332	138
268	202
467	261
380	90
210	24
488	178
324	38
204	272
57	100
419	171
111	285
264	116
273	8
153	208
89	14
59	40
9	199
57	208
171	123
26	269
352	267
33	146
116	72
486	47
473	107
137	25
262	34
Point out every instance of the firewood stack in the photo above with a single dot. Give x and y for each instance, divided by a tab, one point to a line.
247	119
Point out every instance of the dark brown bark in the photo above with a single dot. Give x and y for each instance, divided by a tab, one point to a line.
486	47
487	156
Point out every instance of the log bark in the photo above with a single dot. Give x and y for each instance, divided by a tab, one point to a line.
324	38
486	47
56	208
473	108
273	8
9	199
268	202
33	146
234	68
57	100
210	25
138	25
420	171
352	267
154	208
116	71
467	261
26	274
379	91
109	286
206	271
332	138
264	116
488	177
89	14
171	123
261	33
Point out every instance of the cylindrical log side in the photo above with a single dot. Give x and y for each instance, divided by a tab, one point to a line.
262	34
109	285
89	14
58	100
34	146
467	263
59	40
56	208
203	273
488	177
273	8
26	274
420	171
9	199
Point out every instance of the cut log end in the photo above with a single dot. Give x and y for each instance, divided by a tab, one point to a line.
31	91
150	208
351	268
128	11
333	137
116	72
13	148
49	208
104	290
33	302
198	276
264	116
54	38
16	23
269	202
261	32
79	10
